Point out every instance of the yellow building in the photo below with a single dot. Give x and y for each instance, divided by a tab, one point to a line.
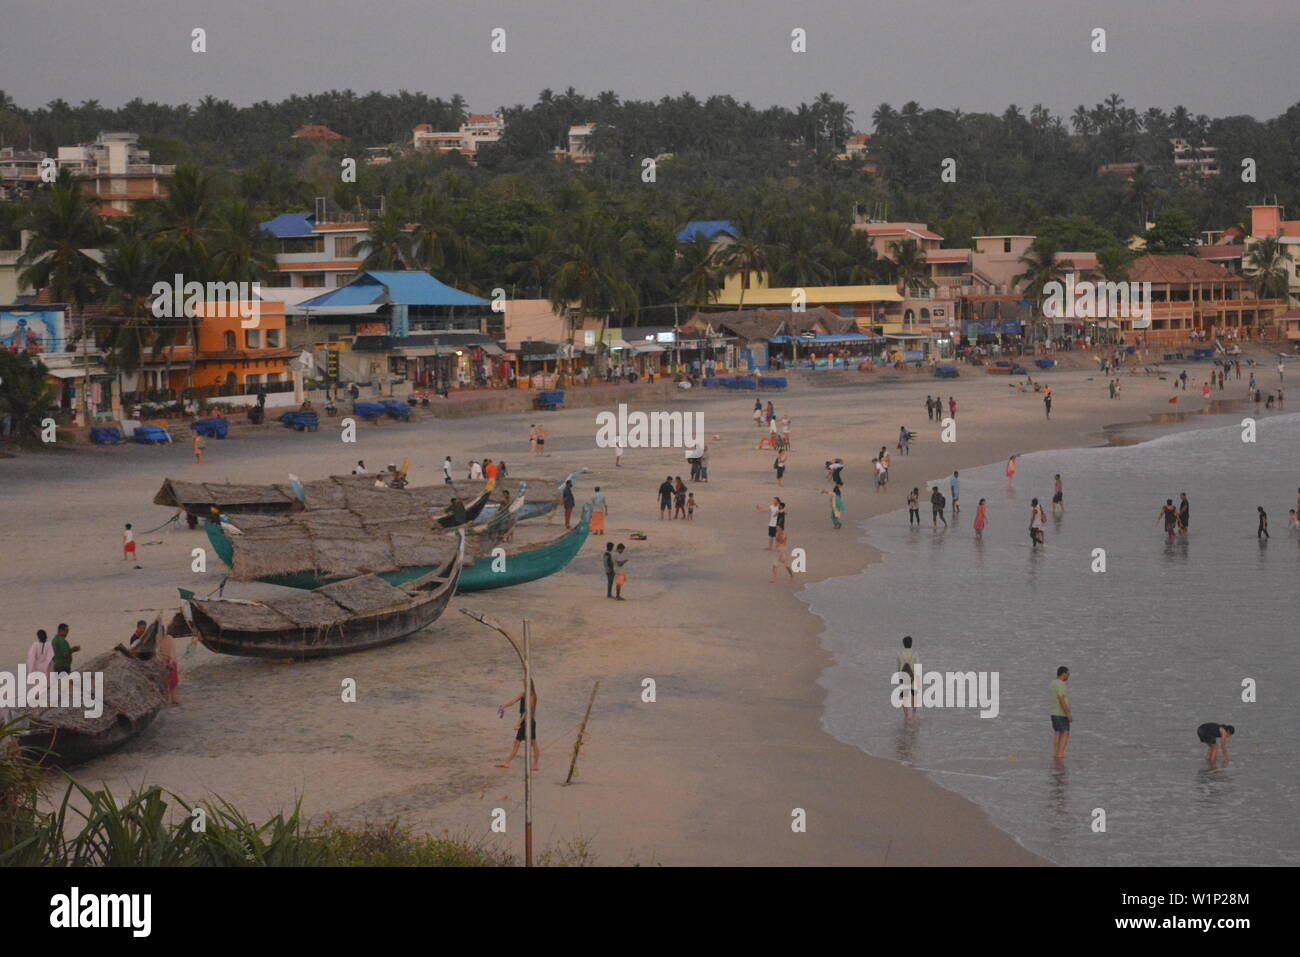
869	305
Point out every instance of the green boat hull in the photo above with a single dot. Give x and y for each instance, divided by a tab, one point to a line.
524	566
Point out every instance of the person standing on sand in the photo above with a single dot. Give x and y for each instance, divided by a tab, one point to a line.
607	558
534	751
1215	736
906	664
1058	496
128	545
758	413
773	514
1047	402
446	470
691	505
904	440
1184	513
914	507
679	499
779	558
61	652
567	500
937	503
532	439
779	465
599	512
1262	531
952	407
665	497
981	519
929	408
1061	713
620	579
541	440
40	655
954	486
1011	470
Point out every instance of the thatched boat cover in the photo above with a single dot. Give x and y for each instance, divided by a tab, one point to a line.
133	687
319	608
337	551
179	494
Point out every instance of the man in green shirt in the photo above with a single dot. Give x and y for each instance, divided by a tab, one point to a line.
62	661
1060	712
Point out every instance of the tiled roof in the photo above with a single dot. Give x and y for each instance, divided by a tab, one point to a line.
947	255
482	118
1178	269
898	229
324	264
1219	252
315	132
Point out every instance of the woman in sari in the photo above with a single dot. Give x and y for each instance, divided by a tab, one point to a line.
837	505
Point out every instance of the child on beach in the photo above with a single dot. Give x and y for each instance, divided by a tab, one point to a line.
690	506
128	544
620	579
1011	470
981	520
199	445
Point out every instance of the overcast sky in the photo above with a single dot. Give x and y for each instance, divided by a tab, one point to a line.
1213	56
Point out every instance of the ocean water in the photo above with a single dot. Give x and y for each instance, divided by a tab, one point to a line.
1159	643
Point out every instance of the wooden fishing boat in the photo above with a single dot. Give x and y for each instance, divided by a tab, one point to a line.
352	615
134	692
525	562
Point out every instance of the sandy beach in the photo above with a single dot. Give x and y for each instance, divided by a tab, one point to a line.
709	773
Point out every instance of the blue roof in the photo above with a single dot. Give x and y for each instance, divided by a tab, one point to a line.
407	288
708	227
288	225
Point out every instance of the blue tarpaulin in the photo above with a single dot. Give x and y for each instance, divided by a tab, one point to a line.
368	410
211	428
300	421
105	436
151	435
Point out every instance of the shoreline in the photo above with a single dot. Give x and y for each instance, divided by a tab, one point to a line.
708	774
1120	434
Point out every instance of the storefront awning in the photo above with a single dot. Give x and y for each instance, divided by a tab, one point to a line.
617	344
644	347
73	373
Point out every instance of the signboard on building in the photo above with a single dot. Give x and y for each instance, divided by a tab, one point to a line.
37	331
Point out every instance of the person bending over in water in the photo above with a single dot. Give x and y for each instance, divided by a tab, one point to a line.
1215	736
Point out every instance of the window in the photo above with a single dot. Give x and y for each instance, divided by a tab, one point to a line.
229	342
272	378
313	280
303	244
273	338
252	381
344	245
1006	245
925	315
253	338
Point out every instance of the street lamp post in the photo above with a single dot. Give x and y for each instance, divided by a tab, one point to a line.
525	663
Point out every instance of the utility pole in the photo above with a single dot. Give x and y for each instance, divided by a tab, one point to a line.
525	662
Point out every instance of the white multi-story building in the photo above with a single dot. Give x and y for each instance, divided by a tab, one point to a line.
116	171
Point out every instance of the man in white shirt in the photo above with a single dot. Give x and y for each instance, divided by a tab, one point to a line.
360	469
446	470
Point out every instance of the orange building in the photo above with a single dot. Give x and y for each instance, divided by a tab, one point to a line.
230	360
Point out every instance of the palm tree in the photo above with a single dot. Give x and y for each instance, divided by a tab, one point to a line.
1141	192
591	270
1266	267
62	224
185	221
388	243
745	257
1040	269
533	264
909	266
241	250
130	269
697	265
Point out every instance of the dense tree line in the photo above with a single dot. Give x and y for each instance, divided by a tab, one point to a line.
601	234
